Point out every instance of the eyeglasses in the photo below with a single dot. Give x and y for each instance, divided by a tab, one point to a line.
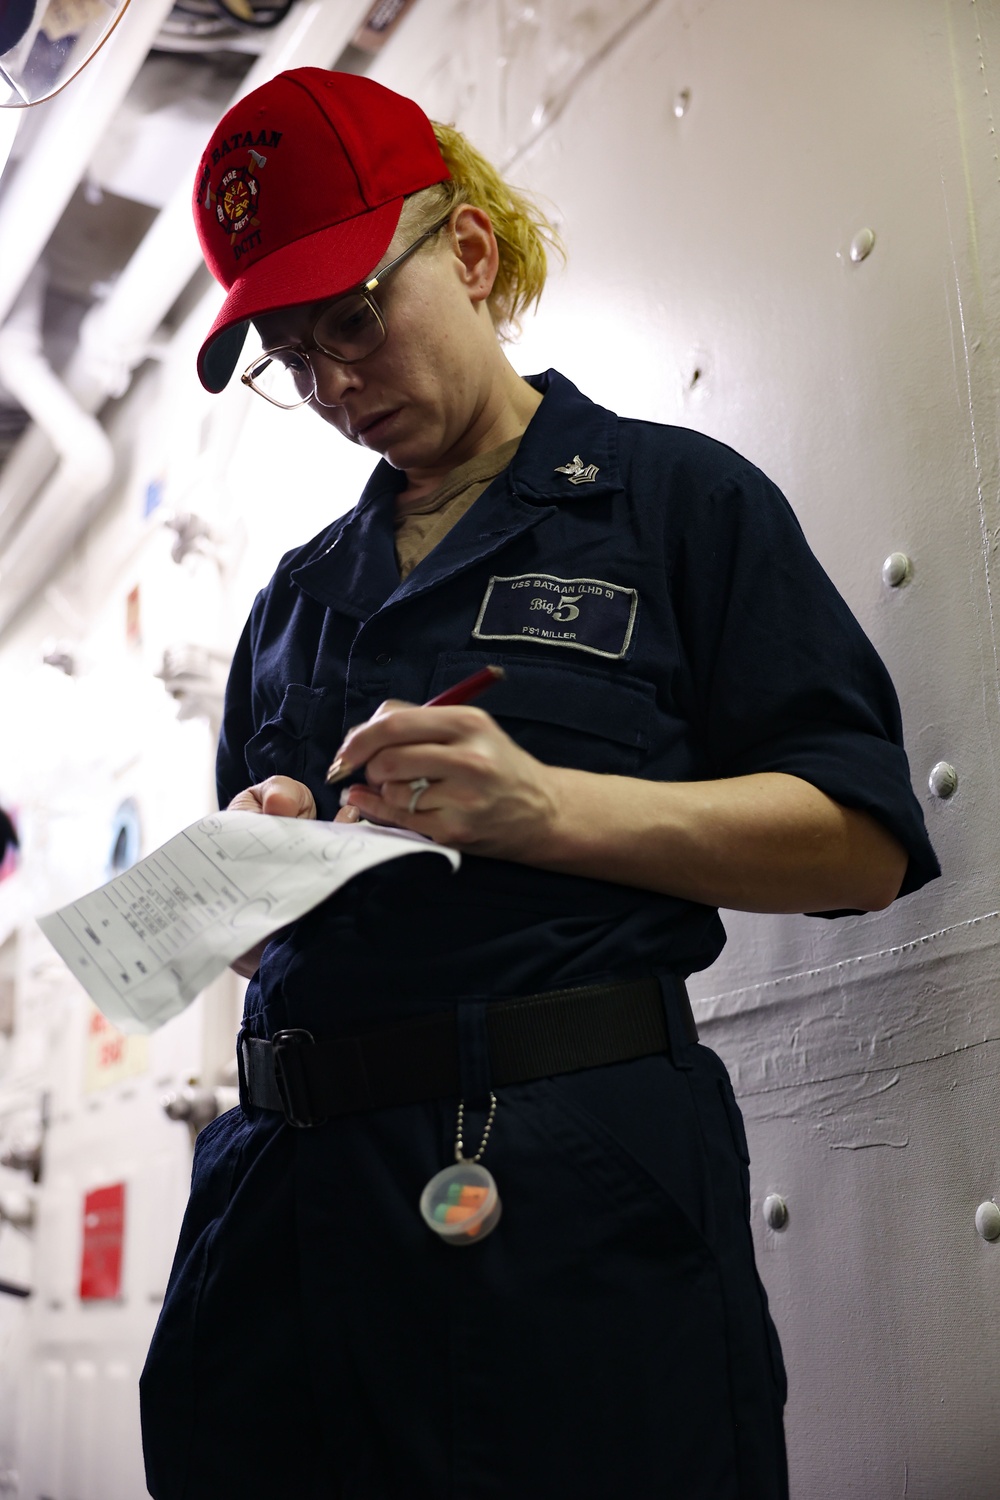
347	330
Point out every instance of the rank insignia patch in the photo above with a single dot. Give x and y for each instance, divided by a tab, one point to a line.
577	472
584	614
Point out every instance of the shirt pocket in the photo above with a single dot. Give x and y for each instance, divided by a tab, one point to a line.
575	716
288	744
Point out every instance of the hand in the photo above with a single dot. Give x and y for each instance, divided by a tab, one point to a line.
279	796
487	795
766	841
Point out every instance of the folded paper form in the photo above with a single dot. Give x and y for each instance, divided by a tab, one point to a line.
144	945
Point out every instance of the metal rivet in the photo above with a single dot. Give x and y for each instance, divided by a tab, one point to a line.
862	245
775	1211
988	1221
896	570
681	101
943	780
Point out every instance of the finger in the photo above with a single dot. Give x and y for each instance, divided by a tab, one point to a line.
348	814
281	804
400	724
283	797
345	761
436	762
383	810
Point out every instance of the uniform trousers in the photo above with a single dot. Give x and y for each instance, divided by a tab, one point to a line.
610	1337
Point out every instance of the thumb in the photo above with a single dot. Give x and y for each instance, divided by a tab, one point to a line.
284	798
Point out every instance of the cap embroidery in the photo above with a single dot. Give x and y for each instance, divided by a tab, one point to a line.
577	472
236	198
245	139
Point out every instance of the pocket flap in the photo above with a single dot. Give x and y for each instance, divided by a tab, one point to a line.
584	699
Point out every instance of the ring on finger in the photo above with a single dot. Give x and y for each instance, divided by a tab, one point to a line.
418	787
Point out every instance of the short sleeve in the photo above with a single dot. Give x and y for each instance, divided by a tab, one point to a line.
784	677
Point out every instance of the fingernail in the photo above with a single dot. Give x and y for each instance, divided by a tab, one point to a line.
352	814
344	796
338	769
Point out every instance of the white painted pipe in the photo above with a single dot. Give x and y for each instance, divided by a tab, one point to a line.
75	120
83	447
115	335
24	470
10	119
77	437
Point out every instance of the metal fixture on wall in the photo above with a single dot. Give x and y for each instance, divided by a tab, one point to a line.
988	1220
896	570
62	659
198	1107
195	677
862	245
775	1211
259	17
943	780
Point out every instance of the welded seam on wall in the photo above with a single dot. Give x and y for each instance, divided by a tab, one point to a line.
815	1080
553	107
709	1002
977	272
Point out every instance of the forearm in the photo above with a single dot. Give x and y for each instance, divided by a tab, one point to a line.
767	842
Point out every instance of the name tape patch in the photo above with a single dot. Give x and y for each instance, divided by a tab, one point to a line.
586	614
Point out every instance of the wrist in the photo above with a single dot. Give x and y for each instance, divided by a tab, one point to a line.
573	816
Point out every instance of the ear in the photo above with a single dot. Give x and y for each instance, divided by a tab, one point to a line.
475	247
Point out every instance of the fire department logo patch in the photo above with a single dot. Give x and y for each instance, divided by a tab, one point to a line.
236	201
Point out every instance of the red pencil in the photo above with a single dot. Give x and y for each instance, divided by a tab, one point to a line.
462	692
467	689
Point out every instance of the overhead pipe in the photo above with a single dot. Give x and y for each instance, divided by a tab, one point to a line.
37	194
115	336
77	437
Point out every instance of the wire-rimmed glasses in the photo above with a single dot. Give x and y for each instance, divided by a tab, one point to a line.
348	329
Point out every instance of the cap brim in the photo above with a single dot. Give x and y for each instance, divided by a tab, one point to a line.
321	265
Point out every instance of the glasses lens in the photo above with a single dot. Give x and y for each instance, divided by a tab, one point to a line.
284	377
349	328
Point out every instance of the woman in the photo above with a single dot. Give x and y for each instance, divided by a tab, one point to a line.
690	718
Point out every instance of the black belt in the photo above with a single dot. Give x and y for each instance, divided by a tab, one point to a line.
412	1061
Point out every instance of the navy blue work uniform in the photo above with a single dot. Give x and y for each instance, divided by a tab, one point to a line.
660	616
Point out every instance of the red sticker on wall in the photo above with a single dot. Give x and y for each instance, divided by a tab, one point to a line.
103	1237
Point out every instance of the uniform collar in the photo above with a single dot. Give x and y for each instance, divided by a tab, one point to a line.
354	570
567	432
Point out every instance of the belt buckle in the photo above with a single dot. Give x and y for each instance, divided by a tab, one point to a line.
290	1079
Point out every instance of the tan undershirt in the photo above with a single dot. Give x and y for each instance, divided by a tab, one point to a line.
421	525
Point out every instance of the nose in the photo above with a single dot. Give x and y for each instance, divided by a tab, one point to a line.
333	379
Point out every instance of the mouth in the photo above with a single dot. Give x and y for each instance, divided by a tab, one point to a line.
371	428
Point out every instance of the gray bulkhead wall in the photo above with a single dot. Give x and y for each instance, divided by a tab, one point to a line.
712	163
715	166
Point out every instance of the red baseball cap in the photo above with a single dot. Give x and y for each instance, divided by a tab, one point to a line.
299	193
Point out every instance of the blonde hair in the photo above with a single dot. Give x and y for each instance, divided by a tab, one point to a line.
524	235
